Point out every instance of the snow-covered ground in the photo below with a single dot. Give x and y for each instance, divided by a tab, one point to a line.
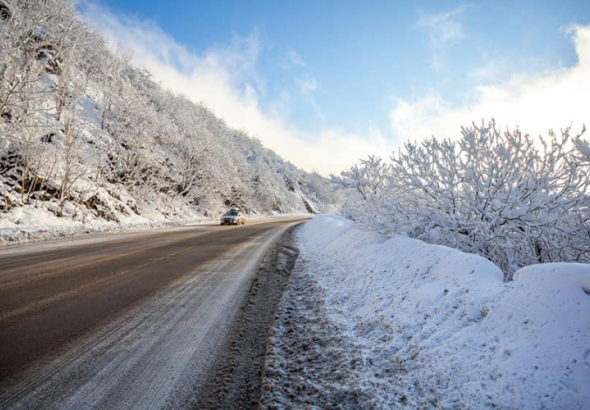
28	224
433	327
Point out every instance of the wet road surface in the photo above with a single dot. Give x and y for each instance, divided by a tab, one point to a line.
122	321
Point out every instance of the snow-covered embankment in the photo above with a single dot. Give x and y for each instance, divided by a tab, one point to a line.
455	333
29	224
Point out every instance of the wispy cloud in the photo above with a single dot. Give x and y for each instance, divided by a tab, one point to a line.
227	79
535	102
295	58
442	29
308	86
492	70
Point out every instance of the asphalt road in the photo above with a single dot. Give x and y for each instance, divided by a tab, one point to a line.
122	321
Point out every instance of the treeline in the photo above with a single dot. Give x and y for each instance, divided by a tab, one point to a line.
85	133
511	198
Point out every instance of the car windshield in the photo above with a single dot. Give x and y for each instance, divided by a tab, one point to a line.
232	213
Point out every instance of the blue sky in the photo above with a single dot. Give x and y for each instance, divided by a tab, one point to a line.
353	72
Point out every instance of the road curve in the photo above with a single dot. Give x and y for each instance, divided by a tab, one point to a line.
122	321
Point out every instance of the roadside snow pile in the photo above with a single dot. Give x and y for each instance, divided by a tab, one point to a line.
29	224
439	328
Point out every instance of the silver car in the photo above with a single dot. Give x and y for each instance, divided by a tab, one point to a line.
233	217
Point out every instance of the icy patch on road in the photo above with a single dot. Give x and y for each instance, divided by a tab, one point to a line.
432	327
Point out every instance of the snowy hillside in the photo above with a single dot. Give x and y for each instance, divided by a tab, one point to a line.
87	139
431	327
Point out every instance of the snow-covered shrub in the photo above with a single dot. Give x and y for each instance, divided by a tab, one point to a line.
509	197
371	201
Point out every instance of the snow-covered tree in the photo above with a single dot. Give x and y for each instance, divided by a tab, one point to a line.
82	132
507	196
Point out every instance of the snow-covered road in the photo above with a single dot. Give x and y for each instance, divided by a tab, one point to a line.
155	353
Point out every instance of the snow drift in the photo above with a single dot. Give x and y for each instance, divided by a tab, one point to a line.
439	328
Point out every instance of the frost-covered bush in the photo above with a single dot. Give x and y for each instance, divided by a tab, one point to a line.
507	196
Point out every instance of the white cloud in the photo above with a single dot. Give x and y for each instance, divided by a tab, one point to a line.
535	103
226	79
295	58
493	69
308	86
441	29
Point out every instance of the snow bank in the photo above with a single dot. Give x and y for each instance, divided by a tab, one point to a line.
30	224
439	328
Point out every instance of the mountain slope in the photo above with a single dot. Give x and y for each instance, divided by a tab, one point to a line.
88	138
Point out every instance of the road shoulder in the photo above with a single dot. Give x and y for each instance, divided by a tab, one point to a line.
236	378
310	363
